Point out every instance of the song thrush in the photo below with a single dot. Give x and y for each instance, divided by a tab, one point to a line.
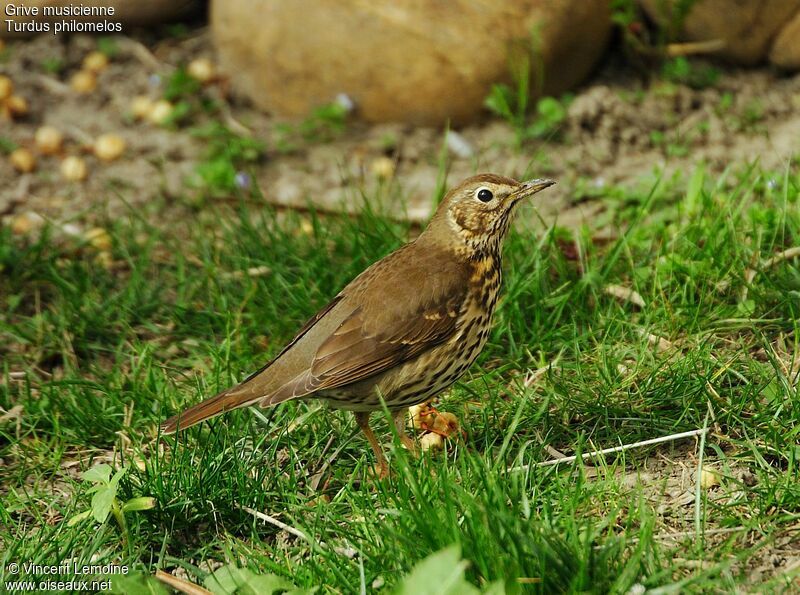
403	330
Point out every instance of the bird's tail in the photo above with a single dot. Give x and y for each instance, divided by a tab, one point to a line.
223	402
254	389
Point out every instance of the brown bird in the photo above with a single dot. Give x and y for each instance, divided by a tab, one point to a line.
403	330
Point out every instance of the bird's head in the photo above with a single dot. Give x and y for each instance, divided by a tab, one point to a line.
479	210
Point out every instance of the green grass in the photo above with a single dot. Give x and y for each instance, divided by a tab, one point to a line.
97	357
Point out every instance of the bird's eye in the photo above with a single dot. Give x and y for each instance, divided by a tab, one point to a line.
484	195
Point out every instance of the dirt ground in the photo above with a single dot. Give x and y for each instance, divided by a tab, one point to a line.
619	130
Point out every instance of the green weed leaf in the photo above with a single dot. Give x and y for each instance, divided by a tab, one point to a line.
137	504
97	474
102	502
694	189
441	573
137	583
499	101
78	518
241	581
117	476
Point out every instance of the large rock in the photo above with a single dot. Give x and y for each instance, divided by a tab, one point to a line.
785	52
748	27
126	12
417	61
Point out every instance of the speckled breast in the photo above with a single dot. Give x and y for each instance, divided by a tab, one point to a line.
420	379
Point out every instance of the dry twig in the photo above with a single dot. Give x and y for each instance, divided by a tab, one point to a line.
695	47
614	449
344	551
181	585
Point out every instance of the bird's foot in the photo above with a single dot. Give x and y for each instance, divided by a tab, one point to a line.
428	418
443	423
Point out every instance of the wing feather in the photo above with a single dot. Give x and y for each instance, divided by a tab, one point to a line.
398	318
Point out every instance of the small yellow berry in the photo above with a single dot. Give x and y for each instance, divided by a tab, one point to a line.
48	140
160	112
431	441
83	81
109	147
383	168
23	160
202	69
141	106
421	416
709	478
74	169
17	105
98	238
6	87
95	62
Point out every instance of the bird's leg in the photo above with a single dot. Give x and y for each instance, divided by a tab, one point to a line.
362	419
399	418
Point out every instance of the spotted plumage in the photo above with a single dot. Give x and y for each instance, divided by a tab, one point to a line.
404	329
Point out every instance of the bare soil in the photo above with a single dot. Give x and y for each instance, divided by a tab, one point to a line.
619	131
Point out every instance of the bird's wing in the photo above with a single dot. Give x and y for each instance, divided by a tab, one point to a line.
403	308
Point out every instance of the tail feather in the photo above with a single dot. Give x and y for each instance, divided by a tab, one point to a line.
217	405
243	395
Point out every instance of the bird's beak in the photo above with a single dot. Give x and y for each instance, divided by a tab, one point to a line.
531	187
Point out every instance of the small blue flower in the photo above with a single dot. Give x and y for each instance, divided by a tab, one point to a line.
154	80
242	180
